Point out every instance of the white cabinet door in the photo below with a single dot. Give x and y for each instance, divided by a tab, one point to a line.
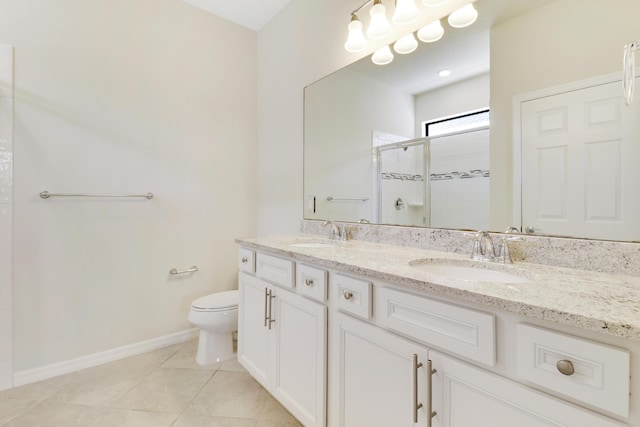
299	368
282	343
253	336
372	376
465	396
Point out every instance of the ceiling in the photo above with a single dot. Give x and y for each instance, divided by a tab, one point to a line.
253	14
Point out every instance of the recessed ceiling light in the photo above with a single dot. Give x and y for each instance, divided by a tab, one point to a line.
444	73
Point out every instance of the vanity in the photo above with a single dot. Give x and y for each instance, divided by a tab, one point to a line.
360	333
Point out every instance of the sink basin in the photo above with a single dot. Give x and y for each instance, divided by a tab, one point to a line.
471	271
313	245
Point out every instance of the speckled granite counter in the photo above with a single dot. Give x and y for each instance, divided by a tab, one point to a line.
599	302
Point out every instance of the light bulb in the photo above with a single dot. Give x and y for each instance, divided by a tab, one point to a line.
382	56
355	40
431	33
433	3
405	13
406	44
463	17
379	26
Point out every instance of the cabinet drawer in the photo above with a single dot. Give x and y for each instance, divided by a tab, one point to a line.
594	373
312	282
459	330
276	270
247	260
351	295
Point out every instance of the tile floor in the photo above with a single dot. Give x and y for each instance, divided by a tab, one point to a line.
161	388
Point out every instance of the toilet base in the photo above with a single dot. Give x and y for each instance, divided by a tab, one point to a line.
214	348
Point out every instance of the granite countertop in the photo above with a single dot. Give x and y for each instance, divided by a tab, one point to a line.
600	302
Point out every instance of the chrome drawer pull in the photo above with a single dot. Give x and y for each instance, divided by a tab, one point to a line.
565	367
271	297
347	295
430	412
416	404
308	282
244	260
266	304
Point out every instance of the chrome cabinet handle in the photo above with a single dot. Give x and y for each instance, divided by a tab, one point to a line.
308	282
244	260
430	412
347	295
565	367
271	297
416	405
266	303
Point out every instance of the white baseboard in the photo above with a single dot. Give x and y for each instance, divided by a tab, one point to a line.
60	368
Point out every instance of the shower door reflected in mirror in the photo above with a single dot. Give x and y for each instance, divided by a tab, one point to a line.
402	188
456	193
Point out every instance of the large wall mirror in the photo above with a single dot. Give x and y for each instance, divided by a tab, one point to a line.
557	156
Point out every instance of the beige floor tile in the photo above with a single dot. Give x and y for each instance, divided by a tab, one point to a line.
40	390
232	365
130	418
274	411
185	357
230	394
192	420
56	414
165	390
277	424
11	408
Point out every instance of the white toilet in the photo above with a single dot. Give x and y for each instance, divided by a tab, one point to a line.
216	316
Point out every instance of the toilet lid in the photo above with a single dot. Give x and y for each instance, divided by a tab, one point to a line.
218	301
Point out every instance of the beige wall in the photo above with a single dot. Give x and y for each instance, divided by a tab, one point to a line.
565	41
125	96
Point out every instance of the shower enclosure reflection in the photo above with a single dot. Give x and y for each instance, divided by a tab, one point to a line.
456	193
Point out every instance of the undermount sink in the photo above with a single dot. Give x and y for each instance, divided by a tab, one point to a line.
471	271
313	245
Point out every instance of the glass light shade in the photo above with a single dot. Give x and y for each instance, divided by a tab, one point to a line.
433	3
463	17
431	33
406	44
382	56
379	26
355	40
405	13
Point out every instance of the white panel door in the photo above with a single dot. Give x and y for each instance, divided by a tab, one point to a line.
300	356
253	336
372	376
465	396
580	156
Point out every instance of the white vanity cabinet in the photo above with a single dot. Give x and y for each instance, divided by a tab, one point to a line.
464	395
377	379
396	357
282	340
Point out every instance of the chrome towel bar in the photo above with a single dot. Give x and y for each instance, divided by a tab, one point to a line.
339	199
46	195
175	271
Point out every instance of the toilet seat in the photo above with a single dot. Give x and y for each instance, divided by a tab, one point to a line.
220	301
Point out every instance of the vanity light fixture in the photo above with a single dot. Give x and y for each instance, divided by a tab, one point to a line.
355	40
405	12
379	26
433	3
431	32
406	44
382	56
463	17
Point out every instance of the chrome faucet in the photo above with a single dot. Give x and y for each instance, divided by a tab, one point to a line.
483	249
336	232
